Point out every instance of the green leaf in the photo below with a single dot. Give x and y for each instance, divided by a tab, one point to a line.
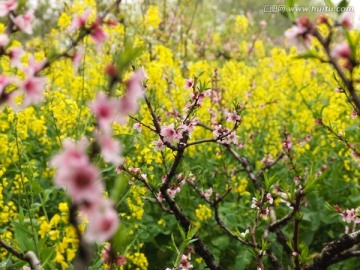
46	254
23	239
342	5
307	56
122	239
352	44
120	189
269	181
192	231
174	243
329	207
329	3
285	14
4	264
289	4
221	242
127	57
182	233
200	73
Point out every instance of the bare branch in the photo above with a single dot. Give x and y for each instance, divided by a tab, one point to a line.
333	249
347	81
28	256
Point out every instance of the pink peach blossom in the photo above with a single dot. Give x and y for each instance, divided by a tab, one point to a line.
129	103
348	216
134	84
81	182
72	155
77	58
168	132
269	198
4	81
232	117
218	131
23	22
15	55
159	145
7	6
208	193
301	29
79	21
185	263
4	40
102	224
33	66
110	148
33	89
105	110
137	126
347	20
98	34
341	50
294	32
160	197
172	192
189	84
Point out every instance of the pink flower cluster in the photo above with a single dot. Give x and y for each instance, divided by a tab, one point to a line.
175	187
287	143
97	34
349	216
259	205
107	110
80	178
304	29
196	99
31	87
170	134
342	51
225	135
22	22
184	264
301	29
232	117
82	181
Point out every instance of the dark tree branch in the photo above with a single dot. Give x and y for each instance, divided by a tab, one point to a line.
200	247
274	260
28	256
281	222
157	124
283	240
331	252
347	81
344	256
